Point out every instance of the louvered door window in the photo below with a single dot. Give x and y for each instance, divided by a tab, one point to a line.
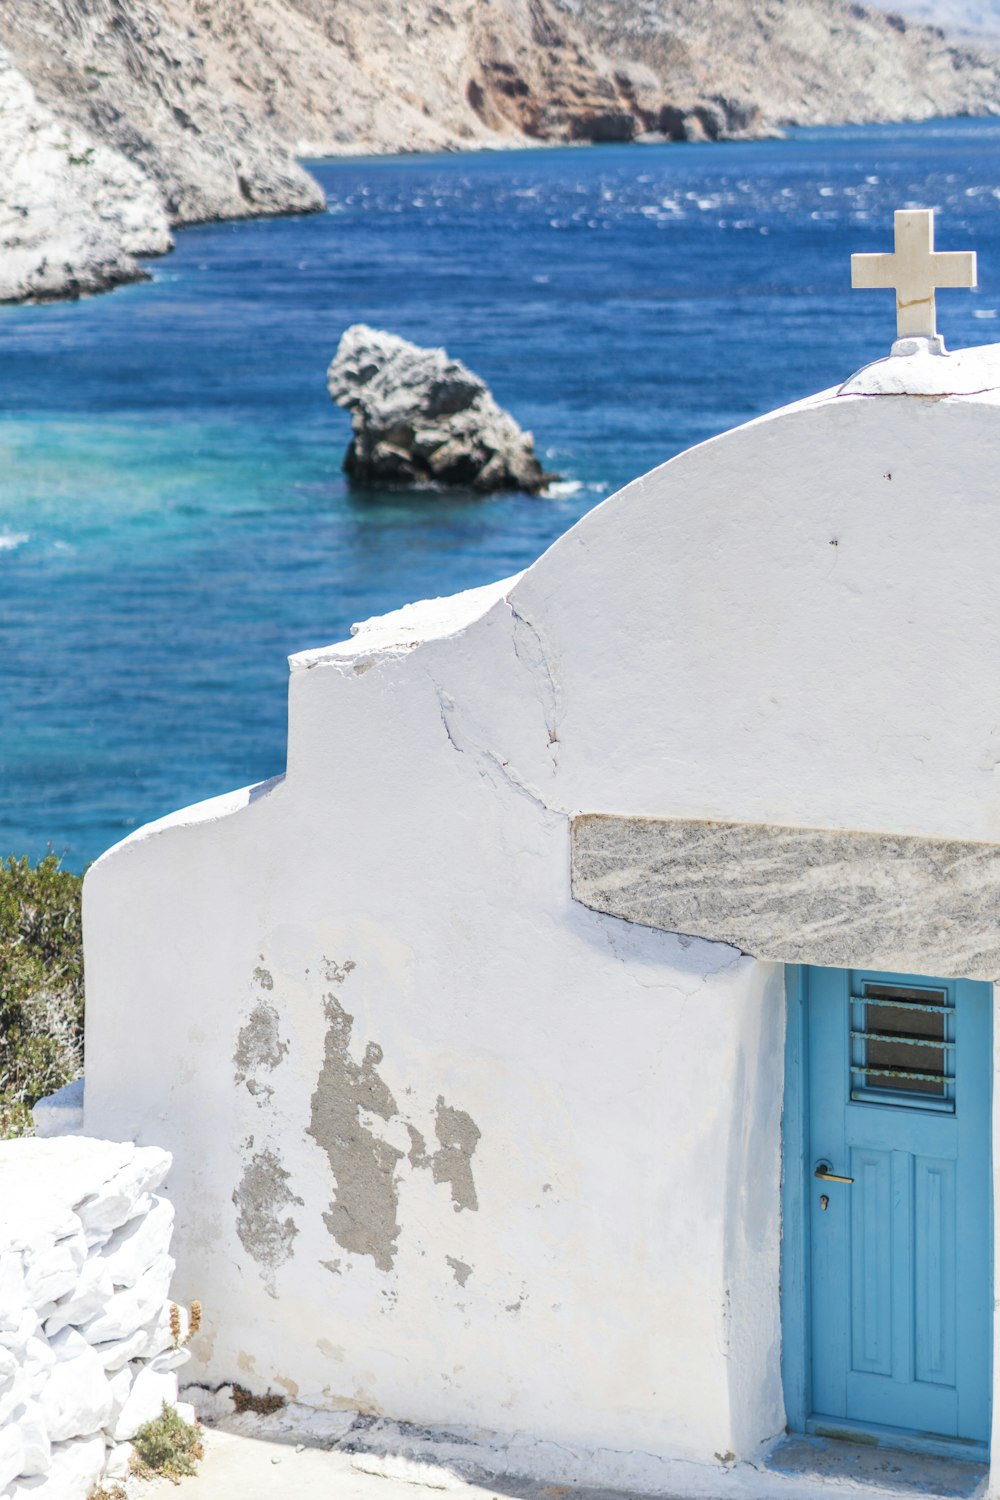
903	1046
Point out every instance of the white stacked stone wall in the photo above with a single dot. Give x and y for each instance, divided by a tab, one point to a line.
90	1342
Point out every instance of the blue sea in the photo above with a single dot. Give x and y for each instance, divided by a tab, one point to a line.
173	517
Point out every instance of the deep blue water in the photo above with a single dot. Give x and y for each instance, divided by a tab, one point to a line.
173	519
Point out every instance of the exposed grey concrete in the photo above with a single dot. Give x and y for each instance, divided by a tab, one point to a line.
461	1270
261	1198
364	1216
799	895
459	1135
259	1045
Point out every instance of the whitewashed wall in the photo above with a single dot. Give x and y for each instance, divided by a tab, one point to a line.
447	1145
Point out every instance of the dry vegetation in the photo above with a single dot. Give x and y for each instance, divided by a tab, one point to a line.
41	986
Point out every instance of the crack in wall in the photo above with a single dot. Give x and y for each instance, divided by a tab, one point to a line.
531	651
488	761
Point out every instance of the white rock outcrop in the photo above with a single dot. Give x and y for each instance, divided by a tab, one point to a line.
74	213
422	418
89	1344
111	132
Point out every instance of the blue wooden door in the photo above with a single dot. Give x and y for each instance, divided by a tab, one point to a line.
900	1255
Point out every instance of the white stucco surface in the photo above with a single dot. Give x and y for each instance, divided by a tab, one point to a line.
922	367
449	1146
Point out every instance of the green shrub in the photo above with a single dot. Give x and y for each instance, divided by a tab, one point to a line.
167	1446
41	986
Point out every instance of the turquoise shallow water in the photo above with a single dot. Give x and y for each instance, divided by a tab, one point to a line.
173	519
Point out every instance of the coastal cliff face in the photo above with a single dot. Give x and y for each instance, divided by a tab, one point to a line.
975	19
111	131
121	118
73	212
821	62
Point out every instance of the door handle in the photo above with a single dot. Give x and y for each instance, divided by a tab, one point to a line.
825	1175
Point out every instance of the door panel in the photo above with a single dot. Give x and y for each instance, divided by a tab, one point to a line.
871	1262
934	1270
899	1087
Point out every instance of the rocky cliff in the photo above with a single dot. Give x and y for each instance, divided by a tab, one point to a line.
805	62
122	118
978	20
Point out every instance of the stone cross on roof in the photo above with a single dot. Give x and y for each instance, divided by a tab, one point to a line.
914	270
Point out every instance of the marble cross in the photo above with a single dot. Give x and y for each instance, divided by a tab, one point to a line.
914	270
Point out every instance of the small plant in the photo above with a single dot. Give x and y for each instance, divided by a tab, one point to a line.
245	1400
167	1447
194	1323
85	159
116	1492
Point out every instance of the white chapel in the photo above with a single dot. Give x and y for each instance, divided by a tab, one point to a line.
586	1045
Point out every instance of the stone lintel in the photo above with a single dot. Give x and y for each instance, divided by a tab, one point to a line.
799	895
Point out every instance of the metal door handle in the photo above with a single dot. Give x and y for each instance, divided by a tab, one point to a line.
825	1175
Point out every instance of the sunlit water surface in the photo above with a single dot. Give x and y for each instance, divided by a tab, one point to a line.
173	517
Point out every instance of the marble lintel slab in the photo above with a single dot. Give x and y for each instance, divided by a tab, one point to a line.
799	895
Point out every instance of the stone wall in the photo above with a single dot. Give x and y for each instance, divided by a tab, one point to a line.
89	1340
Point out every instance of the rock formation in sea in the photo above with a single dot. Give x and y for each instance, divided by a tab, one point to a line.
122	118
421	418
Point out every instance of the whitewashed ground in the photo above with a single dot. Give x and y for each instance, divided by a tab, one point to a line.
278	1458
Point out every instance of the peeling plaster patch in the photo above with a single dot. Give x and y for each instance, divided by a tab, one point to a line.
363	1217
264	978
261	1196
460	1269
459	1135
332	1351
246	1362
259	1046
417	1156
290	1385
336	973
